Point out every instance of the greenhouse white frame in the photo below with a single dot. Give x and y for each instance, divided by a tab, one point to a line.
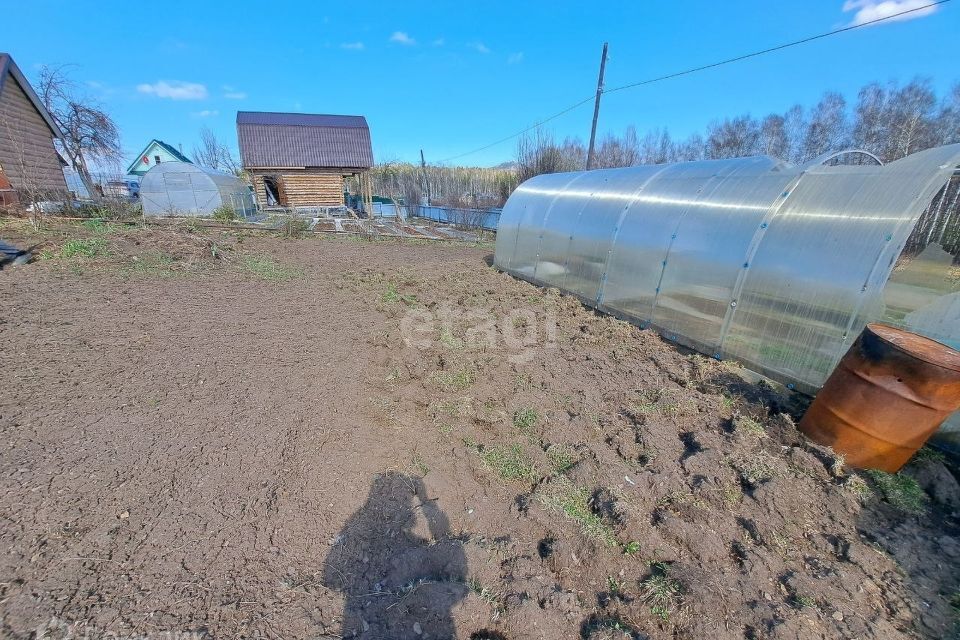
186	189
774	265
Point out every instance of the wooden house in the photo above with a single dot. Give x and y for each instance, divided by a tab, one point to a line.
28	158
301	160
154	153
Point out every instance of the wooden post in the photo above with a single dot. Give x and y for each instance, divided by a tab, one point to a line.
370	193
596	109
426	179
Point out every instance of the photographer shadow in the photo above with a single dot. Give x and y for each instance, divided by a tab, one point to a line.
397	584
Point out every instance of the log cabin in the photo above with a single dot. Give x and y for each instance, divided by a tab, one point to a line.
28	158
301	159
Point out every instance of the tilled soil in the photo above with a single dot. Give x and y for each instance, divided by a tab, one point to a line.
222	435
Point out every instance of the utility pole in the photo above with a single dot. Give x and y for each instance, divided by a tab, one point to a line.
426	178
596	109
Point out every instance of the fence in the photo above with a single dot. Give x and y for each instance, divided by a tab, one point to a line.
473	218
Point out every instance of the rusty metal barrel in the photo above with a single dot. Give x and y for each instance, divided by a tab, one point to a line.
890	392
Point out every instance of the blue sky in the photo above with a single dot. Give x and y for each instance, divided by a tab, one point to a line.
452	76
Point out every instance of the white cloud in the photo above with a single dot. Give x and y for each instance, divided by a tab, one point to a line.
515	58
207	113
175	90
232	93
401	37
439	42
352	46
479	47
869	10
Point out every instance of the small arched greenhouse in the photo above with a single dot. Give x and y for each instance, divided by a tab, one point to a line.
186	189
777	266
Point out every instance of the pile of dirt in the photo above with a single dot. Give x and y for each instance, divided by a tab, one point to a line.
398	441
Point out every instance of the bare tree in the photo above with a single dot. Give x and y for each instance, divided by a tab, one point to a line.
891	122
795	127
617	151
948	120
774	140
693	148
733	138
911	119
656	148
538	154
214	154
869	128
827	128
90	134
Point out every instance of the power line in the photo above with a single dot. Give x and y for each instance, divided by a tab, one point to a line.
695	70
520	133
772	49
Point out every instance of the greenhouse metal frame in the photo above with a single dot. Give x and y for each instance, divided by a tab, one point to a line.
186	189
774	265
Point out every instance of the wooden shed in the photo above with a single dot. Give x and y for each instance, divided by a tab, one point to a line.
28	158
302	159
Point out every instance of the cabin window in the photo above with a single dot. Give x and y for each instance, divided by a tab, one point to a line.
156	159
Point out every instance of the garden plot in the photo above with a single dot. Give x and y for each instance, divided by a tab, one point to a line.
219	434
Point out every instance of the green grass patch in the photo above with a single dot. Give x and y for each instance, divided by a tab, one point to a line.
561	457
420	465
731	493
392	295
453	380
929	454
484	593
661	591
447	338
746	424
224	213
155	264
510	463
756	470
100	227
265	268
802	601
525	420
901	491
522	382
857	486
573	502
83	248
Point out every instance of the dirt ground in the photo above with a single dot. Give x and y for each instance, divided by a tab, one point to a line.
214	434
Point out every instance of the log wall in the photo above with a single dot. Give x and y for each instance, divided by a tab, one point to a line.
27	155
302	187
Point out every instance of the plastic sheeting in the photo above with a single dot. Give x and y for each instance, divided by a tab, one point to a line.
185	189
777	266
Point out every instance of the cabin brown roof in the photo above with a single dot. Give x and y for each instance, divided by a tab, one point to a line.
288	140
7	65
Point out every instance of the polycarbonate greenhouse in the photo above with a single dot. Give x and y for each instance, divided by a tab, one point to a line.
774	265
185	189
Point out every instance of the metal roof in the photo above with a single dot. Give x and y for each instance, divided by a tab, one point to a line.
288	140
7	65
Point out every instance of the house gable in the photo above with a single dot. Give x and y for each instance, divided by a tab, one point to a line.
154	151
27	154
